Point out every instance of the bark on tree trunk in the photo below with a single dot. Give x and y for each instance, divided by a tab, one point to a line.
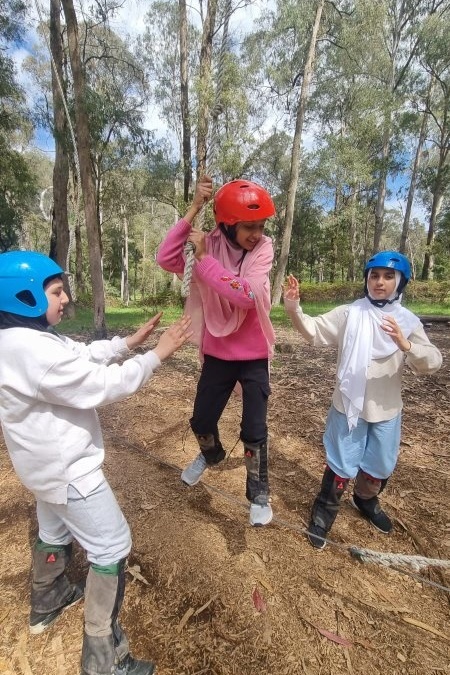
86	173
205	80
438	198
415	170
295	160
381	191
60	220
184	95
125	289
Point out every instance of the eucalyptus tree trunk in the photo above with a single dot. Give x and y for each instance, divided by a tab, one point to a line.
436	206
295	159
86	172
415	170
184	96
381	190
60	220
124	282
351	275
205	67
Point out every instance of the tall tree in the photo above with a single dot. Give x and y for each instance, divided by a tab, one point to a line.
60	219
436	59
86	172
184	100
415	168
280	270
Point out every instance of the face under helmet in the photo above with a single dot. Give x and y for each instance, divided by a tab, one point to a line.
241	201
22	278
391	260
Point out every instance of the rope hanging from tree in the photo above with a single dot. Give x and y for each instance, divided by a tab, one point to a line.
212	158
76	159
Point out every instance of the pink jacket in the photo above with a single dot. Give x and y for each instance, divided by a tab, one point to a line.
229	300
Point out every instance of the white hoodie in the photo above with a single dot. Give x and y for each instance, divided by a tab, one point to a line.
49	389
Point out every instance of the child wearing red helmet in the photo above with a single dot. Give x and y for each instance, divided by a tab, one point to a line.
229	302
375	338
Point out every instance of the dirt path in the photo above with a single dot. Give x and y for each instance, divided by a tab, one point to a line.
209	595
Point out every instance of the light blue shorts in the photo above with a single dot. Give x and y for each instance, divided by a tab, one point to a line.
372	447
95	521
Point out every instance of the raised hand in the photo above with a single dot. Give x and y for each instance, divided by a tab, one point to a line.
291	288
141	335
173	338
391	327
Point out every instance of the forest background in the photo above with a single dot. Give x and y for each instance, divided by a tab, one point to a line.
340	109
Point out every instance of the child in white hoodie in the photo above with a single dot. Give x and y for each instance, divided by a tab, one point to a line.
50	387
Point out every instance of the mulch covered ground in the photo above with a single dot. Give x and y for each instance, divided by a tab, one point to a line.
208	594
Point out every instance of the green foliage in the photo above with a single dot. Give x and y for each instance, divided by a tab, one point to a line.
17	184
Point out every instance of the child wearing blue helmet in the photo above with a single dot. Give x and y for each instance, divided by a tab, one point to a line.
50	387
375	337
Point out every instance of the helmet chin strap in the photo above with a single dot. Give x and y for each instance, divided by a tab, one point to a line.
382	303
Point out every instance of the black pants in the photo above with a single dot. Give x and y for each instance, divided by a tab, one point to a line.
217	381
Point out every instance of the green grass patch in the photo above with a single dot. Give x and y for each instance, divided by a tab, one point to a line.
118	318
130	318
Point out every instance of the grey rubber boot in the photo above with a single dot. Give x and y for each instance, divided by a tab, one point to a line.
325	507
51	591
105	646
257	483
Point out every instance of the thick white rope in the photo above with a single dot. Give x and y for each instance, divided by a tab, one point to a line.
416	562
76	158
189	248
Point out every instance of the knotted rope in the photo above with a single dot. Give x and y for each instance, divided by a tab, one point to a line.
76	159
217	109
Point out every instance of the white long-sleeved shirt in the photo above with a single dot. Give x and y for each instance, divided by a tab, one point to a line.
49	389
383	399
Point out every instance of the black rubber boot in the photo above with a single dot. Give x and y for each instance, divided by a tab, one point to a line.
51	591
325	508
105	645
365	499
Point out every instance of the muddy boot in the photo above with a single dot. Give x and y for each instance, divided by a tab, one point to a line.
365	499
51	591
105	645
257	483
211	453
325	508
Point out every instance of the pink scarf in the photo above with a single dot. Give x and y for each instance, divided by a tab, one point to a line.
208	308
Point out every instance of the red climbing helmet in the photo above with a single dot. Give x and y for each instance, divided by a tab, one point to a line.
242	201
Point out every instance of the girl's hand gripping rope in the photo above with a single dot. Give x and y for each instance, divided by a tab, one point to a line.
203	193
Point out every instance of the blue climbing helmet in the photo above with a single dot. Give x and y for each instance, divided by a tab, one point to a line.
392	260
22	278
